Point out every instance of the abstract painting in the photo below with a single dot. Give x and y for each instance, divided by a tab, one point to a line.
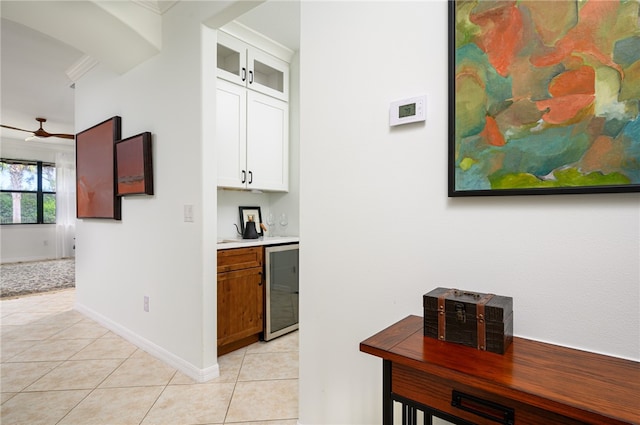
544	97
95	181
134	171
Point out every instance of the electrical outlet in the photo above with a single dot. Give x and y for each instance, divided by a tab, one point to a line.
146	303
46	243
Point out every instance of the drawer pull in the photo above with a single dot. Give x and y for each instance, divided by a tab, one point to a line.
486	409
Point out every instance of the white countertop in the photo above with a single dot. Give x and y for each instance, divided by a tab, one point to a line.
269	240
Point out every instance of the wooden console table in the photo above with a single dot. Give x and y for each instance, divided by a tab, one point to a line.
532	383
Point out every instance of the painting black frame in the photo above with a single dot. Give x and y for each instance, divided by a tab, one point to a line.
244	214
95	171
452	191
143	166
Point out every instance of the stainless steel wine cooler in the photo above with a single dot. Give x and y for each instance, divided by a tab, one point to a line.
281	267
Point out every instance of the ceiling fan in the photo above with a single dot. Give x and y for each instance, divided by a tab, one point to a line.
41	132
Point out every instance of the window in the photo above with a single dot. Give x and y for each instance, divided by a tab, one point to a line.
28	192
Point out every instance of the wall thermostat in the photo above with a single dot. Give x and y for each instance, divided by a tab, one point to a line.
408	110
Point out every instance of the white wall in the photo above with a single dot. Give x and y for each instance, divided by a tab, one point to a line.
34	241
29	242
152	251
379	230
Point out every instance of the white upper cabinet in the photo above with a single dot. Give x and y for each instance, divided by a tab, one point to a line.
252	122
252	133
231	135
251	67
232	59
267	143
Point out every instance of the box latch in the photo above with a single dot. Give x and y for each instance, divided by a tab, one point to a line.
461	313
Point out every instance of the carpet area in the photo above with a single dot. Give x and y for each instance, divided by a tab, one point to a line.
36	276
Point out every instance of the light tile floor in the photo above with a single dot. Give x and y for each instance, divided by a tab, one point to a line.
62	368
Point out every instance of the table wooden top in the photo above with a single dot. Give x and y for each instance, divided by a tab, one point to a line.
585	386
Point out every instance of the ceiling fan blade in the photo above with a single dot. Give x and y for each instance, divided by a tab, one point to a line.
15	128
42	133
63	136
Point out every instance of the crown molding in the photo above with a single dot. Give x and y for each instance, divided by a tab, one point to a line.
157	6
81	67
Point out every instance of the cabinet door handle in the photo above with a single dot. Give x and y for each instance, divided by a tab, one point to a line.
250	77
244	74
250	177
244	176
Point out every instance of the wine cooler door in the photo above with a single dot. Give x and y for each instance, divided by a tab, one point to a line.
281	267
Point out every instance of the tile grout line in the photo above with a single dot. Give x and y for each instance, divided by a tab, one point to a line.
91	391
158	398
23	390
61	362
235	384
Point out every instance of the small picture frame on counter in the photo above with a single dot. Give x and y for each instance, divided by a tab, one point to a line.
245	212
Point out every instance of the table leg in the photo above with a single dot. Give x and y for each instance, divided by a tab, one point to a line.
387	402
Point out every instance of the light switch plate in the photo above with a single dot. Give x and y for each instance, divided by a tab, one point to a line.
188	213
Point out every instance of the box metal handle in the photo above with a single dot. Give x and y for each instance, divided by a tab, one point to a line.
458	293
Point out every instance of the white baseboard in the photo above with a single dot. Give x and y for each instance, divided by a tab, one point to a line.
26	259
199	375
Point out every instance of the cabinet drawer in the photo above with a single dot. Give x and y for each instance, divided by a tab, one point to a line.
239	258
437	393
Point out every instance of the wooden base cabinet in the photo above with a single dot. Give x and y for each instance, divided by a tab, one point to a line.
240	298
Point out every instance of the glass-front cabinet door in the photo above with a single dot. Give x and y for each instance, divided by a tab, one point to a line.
232	59
268	75
251	67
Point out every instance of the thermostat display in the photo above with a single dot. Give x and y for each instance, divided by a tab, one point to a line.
407	110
